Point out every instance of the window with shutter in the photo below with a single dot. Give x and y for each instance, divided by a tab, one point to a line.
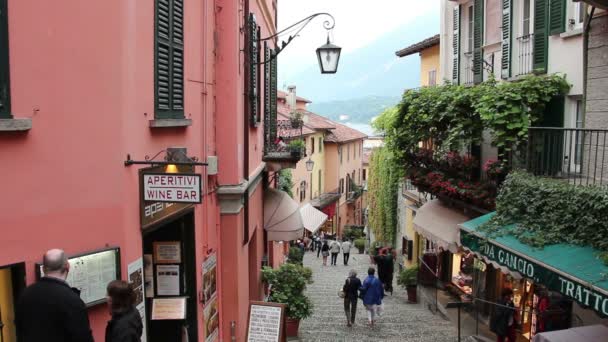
478	41
456	46
169	59
557	15
540	35
254	54
507	40
5	83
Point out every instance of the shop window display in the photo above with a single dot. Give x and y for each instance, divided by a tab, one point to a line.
462	272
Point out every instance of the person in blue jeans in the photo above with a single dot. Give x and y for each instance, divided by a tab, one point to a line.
373	292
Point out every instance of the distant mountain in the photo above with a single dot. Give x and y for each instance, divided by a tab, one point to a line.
370	70
360	110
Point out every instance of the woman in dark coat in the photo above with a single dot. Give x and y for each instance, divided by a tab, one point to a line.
325	252
125	325
504	318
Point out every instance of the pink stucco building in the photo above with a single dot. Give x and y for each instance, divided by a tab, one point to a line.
92	84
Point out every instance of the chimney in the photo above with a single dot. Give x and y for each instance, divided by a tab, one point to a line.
291	97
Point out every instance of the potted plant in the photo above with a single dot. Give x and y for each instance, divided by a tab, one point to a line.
287	284
408	279
295	256
296	119
296	147
360	244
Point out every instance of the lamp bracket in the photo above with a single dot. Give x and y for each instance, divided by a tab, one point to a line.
190	161
327	24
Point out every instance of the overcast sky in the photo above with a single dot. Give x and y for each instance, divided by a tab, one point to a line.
358	23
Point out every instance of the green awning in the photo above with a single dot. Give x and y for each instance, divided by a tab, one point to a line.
574	271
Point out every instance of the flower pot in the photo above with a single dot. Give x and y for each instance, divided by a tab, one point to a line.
296	154
411	294
361	250
293	325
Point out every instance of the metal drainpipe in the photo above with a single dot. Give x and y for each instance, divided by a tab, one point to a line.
246	129
232	330
585	59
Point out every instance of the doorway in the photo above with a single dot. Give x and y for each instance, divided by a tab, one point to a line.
180	232
12	283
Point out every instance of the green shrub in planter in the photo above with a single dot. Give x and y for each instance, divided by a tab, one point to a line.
408	277
287	284
360	244
295	256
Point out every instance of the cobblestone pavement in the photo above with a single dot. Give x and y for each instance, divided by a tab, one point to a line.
400	322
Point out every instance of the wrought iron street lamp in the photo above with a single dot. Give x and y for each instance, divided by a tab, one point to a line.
310	164
328	54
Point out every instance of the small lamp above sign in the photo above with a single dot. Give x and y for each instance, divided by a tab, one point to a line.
329	57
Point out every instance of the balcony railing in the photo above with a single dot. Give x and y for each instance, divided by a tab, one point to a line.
468	76
525	48
282	144
576	155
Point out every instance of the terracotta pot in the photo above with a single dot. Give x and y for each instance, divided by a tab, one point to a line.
411	294
293	325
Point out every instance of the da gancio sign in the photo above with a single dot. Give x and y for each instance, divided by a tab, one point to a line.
172	187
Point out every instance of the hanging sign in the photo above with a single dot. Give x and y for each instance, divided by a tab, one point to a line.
152	211
172	187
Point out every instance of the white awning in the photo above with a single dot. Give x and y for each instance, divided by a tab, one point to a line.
439	224
312	218
282	219
590	333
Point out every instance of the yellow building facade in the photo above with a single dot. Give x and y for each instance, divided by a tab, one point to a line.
409	241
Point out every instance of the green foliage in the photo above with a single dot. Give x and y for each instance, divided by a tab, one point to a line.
287	286
383	184
453	116
408	277
295	256
286	181
548	211
353	232
360	244
297	145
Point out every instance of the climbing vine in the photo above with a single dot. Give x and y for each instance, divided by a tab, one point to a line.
454	116
286	182
383	184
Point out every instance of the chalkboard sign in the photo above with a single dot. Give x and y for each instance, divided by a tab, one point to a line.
266	322
91	272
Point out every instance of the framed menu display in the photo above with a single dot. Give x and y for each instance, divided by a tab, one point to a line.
91	272
169	308
167	252
266	322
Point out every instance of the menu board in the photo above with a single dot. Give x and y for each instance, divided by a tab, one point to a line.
169	308
90	273
265	322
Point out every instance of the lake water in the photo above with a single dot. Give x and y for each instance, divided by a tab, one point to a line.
364	128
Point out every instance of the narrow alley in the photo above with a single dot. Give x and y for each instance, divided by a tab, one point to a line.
401	321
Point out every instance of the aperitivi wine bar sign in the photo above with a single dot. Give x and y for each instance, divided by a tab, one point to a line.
172	187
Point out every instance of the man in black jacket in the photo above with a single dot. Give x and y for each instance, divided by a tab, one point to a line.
50	310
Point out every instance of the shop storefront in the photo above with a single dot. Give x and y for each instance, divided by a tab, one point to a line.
169	194
546	283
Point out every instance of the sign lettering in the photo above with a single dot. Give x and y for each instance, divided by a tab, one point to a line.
182	188
582	294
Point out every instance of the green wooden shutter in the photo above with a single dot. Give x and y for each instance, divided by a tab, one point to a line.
456	46
273	97
253	55
478	41
266	84
507	39
169	59
5	83
557	15
540	35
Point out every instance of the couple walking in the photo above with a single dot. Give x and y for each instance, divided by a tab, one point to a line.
371	292
334	248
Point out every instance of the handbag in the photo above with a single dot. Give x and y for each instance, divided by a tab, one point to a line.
341	292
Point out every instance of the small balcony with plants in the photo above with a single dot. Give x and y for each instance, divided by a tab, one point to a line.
355	191
283	143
